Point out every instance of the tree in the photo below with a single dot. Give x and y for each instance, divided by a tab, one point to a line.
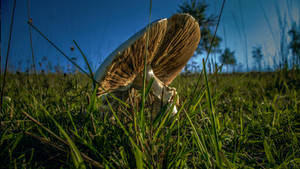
257	56
294	44
227	58
197	9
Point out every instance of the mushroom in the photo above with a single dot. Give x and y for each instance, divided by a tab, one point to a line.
171	43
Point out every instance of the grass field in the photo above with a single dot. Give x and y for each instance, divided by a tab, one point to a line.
242	120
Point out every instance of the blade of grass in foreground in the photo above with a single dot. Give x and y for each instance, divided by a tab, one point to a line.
213	119
72	121
43	127
85	59
202	150
211	42
90	146
268	152
87	63
137	152
92	105
42	139
167	113
75	153
142	113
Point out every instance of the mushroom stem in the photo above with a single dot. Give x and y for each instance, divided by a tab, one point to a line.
160	90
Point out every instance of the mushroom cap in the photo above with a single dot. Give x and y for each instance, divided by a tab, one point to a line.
121	67
179	44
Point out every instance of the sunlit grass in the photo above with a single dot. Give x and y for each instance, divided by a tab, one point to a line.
255	115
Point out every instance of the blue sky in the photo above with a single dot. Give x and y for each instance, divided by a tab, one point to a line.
101	26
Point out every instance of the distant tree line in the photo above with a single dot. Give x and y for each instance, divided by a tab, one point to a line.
198	10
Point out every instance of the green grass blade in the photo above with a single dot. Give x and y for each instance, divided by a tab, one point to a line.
167	113
43	127
75	153
137	152
213	119
84	142
73	124
199	144
178	114
86	62
142	113
149	85
16	142
92	105
268	152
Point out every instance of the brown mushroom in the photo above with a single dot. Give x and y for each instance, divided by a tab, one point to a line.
171	44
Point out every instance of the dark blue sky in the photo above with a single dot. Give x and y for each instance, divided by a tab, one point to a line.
100	26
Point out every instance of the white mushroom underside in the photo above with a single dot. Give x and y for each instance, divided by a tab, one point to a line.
160	90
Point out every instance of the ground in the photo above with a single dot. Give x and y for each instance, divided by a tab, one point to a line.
244	120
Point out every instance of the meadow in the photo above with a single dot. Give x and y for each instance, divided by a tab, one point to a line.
238	120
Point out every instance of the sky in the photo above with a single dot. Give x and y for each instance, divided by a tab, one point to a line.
100	26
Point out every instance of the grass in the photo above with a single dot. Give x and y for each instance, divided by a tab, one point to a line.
233	121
